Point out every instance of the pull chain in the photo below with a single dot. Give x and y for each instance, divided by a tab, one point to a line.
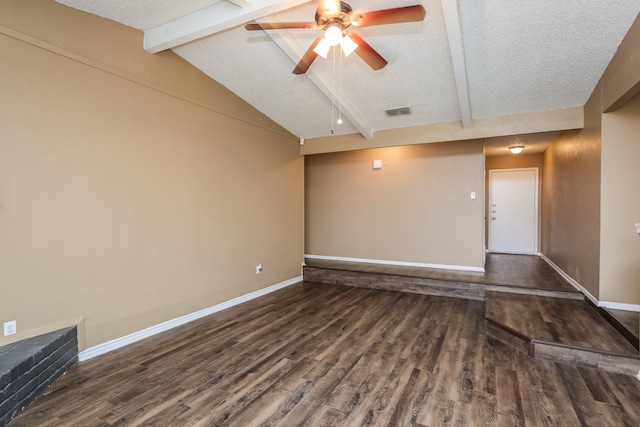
340	90
333	89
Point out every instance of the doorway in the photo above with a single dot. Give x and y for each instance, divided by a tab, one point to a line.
513	211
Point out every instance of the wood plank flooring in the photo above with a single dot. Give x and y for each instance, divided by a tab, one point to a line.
630	319
330	355
569	322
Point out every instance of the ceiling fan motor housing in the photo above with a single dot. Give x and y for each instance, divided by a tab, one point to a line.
326	17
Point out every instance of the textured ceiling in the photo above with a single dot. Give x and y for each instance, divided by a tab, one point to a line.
499	58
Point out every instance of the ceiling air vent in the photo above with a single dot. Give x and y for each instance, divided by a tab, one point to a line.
398	111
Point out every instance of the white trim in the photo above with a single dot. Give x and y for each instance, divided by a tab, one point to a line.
165	326
619	306
217	17
400	263
570	279
456	49
578	286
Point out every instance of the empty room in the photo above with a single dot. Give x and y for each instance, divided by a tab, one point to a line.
322	213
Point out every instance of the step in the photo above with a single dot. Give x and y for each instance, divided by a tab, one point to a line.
565	331
388	282
620	363
533	311
621	321
449	284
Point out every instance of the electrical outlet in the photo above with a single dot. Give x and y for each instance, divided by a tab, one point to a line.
258	268
10	328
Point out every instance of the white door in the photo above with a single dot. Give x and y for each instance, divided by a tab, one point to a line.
513	211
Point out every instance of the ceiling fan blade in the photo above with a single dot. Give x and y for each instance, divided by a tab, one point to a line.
367	53
389	16
307	59
253	25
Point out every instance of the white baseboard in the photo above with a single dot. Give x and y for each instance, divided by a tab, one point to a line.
578	286
399	263
165	326
620	306
570	279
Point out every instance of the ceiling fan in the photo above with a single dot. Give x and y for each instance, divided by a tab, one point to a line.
334	18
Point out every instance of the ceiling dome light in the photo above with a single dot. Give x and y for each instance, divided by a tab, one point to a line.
333	35
516	149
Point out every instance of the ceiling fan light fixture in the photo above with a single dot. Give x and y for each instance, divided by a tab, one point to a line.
348	45
516	149
333	35
322	48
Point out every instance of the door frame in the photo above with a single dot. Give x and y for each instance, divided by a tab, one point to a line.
536	202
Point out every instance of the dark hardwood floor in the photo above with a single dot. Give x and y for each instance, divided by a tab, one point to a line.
331	355
630	319
569	322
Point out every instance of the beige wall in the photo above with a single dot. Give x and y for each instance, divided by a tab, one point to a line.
416	209
571	200
619	250
621	80
515	161
619	242
115	48
127	197
590	197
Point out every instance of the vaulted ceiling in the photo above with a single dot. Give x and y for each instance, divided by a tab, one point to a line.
468	60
